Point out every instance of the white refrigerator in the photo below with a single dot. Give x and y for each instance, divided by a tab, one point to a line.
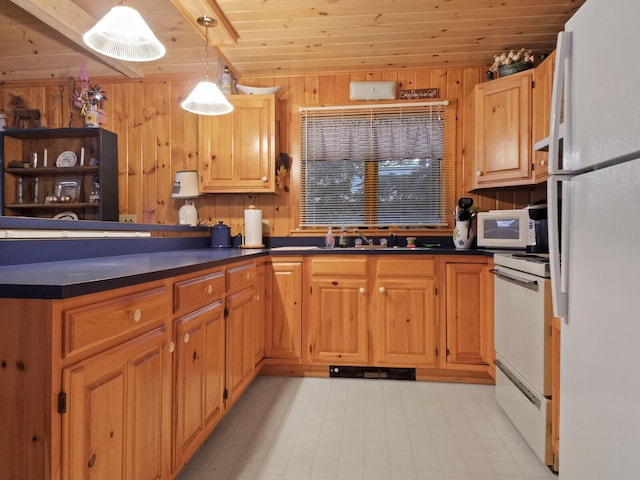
594	147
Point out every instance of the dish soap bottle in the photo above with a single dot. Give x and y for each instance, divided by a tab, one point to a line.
329	239
226	82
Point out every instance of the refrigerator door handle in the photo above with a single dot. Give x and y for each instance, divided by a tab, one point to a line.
558	130
558	248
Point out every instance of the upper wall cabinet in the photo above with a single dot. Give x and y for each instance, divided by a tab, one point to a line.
69	173
541	114
237	150
503	148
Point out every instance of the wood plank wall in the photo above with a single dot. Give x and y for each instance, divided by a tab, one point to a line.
156	138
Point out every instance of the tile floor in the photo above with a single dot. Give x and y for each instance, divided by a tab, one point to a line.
321	429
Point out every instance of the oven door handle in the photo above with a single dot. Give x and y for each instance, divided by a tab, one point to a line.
530	284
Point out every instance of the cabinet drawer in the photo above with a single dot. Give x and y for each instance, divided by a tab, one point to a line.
96	323
194	293
415	267
240	277
339	266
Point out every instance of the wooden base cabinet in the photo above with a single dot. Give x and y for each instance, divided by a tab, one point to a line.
86	386
336	316
468	307
198	364
404	307
240	334
199	378
115	424
283	331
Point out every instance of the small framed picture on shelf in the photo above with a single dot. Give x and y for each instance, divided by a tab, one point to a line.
67	191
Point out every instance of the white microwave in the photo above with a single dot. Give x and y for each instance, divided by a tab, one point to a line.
503	229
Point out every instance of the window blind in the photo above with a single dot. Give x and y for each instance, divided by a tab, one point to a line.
377	166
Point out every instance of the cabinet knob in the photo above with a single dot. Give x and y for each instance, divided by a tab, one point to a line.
136	315
185	337
542	163
264	179
209	289
171	347
382	290
257	297
362	290
478	173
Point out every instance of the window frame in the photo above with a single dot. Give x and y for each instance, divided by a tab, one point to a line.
371	166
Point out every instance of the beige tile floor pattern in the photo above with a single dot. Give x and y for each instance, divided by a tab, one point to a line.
355	429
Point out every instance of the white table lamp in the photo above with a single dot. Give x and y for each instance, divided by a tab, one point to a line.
186	186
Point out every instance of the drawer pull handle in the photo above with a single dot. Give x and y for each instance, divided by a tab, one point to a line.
171	347
185	337
209	289
362	290
382	290
136	315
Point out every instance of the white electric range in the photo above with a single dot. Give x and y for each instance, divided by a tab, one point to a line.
522	321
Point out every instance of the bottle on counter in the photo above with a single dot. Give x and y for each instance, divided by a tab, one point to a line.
329	239
342	243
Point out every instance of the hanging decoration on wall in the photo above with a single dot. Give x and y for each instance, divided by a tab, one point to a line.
282	171
419	93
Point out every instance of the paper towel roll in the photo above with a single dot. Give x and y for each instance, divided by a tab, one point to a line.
253	228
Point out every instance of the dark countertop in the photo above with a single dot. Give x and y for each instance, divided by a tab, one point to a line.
70	278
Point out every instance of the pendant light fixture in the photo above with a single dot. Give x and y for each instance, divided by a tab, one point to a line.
123	34
206	98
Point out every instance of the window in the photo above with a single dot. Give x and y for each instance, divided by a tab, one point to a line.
377	166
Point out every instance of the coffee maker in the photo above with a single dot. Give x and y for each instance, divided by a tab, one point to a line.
538	238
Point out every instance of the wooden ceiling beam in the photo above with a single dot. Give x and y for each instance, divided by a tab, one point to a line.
222	34
71	21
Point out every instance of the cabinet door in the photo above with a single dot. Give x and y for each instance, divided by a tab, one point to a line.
337	323
261	312
240	343
469	316
116	425
405	321
541	114
503	131
199	378
284	321
237	150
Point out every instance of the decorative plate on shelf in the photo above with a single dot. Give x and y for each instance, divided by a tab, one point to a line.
66	216
66	159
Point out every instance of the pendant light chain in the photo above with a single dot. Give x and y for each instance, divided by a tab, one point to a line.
206	22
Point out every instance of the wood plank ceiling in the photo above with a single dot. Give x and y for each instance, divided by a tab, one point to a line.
41	39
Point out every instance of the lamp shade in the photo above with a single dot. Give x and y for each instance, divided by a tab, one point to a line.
123	34
207	99
186	184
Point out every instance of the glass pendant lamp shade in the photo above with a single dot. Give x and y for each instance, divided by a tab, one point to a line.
123	34
207	99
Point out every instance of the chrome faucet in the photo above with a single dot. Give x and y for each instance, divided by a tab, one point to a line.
365	239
